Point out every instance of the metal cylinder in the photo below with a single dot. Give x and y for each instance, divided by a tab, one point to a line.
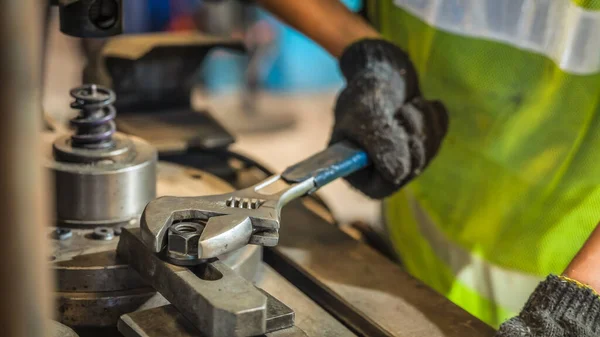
25	282
105	187
91	18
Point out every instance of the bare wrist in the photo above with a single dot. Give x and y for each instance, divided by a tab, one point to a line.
585	267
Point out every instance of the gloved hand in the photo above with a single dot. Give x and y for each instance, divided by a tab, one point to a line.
382	111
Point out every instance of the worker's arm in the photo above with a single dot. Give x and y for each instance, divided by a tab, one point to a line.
585	267
564	306
380	109
327	22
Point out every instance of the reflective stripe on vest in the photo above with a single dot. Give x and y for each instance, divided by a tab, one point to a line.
505	287
560	30
431	257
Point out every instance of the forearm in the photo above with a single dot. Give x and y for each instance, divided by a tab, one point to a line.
327	22
585	267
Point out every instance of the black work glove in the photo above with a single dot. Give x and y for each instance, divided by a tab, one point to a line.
381	110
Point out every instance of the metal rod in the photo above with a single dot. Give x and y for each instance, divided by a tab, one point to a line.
24	276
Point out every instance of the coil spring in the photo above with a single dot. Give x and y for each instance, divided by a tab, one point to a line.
94	126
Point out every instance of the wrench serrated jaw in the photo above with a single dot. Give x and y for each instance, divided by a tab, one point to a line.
266	238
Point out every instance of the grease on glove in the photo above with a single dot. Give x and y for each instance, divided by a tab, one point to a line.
400	137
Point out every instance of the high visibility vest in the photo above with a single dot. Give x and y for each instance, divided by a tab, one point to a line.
515	189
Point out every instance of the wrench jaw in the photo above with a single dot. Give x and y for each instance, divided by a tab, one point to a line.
227	228
162	212
223	234
266	227
266	238
153	223
226	233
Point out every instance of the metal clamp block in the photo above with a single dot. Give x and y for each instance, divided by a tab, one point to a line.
214	299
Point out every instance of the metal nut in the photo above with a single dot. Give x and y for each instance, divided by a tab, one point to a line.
103	233
182	243
62	234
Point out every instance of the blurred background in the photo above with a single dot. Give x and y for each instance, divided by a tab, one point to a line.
275	98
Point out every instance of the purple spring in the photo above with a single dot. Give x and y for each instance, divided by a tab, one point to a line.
94	126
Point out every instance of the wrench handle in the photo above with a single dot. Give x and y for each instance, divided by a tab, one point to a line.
337	161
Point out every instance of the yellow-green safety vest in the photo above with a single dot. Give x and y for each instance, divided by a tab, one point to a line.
515	189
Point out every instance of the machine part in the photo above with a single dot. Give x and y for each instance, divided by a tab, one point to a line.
369	293
122	186
95	287
197	292
155	72
95	124
167	321
174	131
101	309
61	330
103	233
251	215
102	178
182	243
62	233
279	315
94	140
121	152
153	76
311	319
91	18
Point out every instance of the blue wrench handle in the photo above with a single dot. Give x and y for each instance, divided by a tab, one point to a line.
337	161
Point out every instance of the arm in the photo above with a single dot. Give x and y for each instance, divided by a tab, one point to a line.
327	22
585	267
564	306
380	108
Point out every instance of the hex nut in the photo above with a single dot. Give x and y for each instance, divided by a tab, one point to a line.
182	242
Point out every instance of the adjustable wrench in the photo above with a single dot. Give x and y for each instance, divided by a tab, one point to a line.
251	215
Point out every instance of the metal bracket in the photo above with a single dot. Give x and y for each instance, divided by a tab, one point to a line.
212	297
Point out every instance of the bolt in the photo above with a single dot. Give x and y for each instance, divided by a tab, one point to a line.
62	234
103	233
182	243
